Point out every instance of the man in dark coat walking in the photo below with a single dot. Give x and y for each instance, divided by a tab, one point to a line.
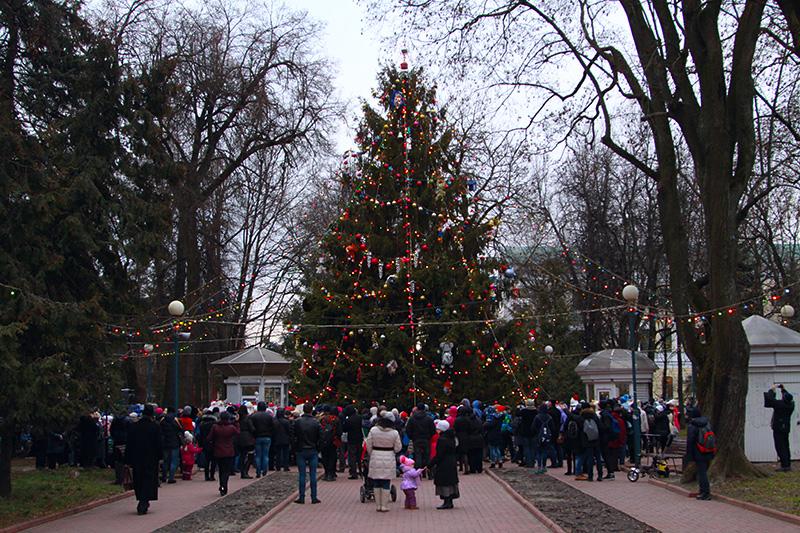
142	453
782	409
355	439
420	430
693	454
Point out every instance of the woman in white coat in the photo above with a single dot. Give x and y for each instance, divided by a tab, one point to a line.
383	443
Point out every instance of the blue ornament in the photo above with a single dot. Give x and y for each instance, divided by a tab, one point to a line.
438	312
510	273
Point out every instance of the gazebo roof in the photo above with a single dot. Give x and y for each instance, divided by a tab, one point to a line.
252	356
762	332
614	360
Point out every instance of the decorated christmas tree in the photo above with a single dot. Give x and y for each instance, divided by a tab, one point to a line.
404	303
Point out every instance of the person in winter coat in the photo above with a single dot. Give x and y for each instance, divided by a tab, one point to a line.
420	430
525	432
693	454
573	449
207	422
445	469
186	419
556	451
305	433
171	434
330	441
355	439
411	477
282	440
383	442
591	436
616	445
782	410
543	432
661	427
89	432
245	442
494	437
142	453
188	452
221	438
263	431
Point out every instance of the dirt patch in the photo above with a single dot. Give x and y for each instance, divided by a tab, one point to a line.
568	507
235	512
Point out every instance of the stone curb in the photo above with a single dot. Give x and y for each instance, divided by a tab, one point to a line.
261	522
766	511
65	513
549	524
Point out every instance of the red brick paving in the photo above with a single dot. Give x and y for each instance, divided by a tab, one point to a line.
483	507
174	502
670	512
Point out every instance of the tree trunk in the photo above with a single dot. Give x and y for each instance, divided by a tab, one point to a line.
6	454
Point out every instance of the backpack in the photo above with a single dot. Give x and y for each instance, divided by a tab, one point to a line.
572	430
706	440
614	427
590	430
545	435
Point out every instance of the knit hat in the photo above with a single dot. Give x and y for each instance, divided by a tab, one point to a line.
148	410
573	403
159	411
442	425
133	416
407	461
388	415
659	407
529	402
187	436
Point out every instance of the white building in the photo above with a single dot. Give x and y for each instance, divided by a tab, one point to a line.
774	358
607	374
255	374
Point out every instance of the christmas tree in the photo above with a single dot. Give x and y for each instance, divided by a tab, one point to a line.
404	303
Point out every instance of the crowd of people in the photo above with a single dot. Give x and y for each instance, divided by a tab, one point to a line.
589	440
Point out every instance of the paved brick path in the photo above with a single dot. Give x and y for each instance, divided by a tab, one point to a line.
671	512
484	506
174	502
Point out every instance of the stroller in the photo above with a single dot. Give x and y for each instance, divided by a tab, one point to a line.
367	489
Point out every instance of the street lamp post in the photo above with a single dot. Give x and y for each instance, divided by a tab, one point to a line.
176	309
631	295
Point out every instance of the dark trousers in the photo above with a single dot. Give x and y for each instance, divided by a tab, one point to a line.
329	461
611	459
211	464
702	478
422	453
475	460
411	498
592	456
225	469
354	457
782	448
281	456
245	459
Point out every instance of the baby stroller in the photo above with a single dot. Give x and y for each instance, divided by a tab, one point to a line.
367	489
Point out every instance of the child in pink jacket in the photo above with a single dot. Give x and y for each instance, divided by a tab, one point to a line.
411	477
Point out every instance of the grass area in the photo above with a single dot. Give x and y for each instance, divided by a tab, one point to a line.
41	492
779	490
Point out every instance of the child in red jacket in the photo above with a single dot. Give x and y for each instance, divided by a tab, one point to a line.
188	452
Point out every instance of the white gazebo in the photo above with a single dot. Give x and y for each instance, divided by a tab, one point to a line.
255	374
774	358
607	374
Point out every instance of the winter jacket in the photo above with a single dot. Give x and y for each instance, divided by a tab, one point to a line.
187	423
420	427
382	445
492	428
622	438
263	424
306	433
573	442
171	432
444	463
221	439
245	440
589	414
411	477
119	430
526	416
477	408
352	426
332	420
660	423
781	410
692	432
206	423
282	429
543	419
188	452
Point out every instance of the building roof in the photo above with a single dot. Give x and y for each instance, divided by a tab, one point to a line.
615	359
764	332
255	355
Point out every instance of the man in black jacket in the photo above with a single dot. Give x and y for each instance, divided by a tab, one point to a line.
171	433
782	410
420	430
263	430
142	453
693	454
355	439
306	435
